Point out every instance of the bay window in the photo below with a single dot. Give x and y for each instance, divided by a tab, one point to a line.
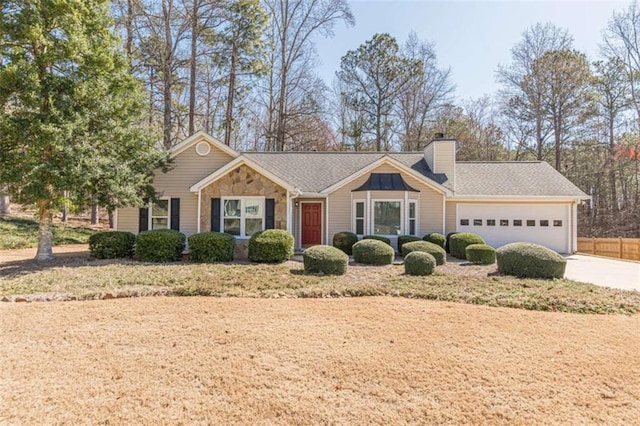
385	217
359	218
413	214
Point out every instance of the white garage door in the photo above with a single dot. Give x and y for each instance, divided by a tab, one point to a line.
500	224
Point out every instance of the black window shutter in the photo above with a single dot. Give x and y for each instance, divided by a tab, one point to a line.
175	214
215	215
270	213
143	222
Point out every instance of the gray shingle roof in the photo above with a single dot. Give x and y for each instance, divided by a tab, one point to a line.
512	178
312	172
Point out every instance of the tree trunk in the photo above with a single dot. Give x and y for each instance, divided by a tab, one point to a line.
5	201
612	170
167	77
230	95
95	214
378	130
45	235
65	207
193	67
539	144
112	222
280	119
129	29
558	144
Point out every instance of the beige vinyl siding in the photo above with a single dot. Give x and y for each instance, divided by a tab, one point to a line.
430	201
450	216
127	219
188	168
445	157
428	155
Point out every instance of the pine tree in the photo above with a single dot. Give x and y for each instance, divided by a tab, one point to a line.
71	111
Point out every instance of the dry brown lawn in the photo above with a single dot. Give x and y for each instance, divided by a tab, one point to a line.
378	360
79	278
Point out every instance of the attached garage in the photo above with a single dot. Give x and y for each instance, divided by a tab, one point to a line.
549	225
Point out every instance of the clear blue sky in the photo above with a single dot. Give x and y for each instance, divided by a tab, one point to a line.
472	37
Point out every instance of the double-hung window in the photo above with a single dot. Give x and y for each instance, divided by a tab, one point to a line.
243	216
413	214
159	214
359	217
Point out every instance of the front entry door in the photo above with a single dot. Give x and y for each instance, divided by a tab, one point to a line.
311	224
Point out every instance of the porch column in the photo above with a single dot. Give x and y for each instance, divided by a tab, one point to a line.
326	221
289	227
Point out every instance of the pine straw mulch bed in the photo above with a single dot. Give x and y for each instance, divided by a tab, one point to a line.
80	278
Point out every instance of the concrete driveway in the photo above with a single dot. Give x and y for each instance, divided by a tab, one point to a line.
605	272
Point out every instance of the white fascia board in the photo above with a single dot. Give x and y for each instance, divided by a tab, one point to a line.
516	198
387	160
239	161
201	136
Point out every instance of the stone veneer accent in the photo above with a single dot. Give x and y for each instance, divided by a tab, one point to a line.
244	181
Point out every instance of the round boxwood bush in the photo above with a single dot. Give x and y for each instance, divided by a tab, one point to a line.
161	245
403	239
528	260
419	263
435	238
459	242
345	241
111	244
373	252
211	247
481	254
378	238
447	242
426	247
270	246
326	259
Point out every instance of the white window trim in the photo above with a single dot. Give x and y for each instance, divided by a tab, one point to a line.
207	146
150	218
242	213
353	216
369	204
402	215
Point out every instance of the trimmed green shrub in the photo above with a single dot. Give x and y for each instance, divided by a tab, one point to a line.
326	259
403	239
378	238
111	244
419	263
161	245
459	242
447	242
426	247
345	241
270	246
208	247
528	260
435	238
481	254
373	252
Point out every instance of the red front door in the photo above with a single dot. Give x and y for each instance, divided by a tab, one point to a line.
311	223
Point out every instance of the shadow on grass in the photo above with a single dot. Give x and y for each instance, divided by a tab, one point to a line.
70	260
